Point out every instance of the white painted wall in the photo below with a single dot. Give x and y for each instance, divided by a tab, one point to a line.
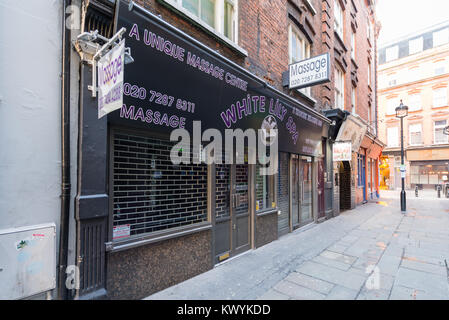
30	104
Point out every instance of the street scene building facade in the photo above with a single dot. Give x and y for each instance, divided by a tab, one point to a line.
129	222
353	45
415	70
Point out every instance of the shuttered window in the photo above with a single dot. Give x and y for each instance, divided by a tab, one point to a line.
150	193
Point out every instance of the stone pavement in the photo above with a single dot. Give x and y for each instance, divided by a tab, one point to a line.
372	252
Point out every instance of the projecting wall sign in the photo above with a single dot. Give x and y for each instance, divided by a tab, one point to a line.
310	72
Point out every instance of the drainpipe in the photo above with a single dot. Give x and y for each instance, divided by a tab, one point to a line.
65	156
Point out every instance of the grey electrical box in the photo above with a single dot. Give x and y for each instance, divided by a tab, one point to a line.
27	261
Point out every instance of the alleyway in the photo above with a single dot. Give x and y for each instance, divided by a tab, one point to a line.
403	256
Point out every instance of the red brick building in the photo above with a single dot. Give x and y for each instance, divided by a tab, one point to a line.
224	210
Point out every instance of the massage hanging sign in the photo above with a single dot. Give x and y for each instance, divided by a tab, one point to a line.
110	80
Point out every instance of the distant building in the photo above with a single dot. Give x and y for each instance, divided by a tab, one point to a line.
415	69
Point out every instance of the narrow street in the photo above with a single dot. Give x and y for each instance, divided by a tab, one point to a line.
372	252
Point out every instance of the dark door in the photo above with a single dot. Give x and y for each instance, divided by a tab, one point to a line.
232	221
363	173
283	194
320	188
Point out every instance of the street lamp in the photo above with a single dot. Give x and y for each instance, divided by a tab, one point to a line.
401	113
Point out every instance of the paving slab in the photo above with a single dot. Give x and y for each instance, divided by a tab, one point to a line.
297	292
342	293
309	282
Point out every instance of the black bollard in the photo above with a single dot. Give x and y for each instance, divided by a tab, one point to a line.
439	191
416	191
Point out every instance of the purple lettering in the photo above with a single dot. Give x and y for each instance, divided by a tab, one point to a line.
229	116
134	32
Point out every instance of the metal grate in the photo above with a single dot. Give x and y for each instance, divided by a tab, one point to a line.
150	192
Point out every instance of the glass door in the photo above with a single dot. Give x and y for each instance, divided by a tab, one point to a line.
306	196
295	191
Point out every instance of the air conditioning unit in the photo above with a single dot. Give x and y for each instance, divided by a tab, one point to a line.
27	261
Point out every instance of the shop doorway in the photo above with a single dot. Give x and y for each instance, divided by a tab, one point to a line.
301	191
344	170
232	210
283	194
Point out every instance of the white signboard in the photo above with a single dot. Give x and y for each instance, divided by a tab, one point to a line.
342	151
309	72
110	80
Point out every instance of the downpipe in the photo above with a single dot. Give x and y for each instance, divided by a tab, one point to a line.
65	156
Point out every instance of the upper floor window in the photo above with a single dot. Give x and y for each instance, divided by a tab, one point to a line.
391	106
220	15
369	30
440	67
230	20
441	37
415	45
299	49
392	53
353	46
392	79
338	18
439	136
369	74
440	97
414	102
339	89
393	137
414	73
353	110
415	131
204	9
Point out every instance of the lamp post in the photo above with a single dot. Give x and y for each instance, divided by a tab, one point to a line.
401	113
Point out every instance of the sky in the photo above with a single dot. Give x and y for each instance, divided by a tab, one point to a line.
402	17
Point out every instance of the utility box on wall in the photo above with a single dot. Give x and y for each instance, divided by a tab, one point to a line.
27	261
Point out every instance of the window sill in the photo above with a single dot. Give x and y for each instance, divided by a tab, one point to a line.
267	212
196	21
115	246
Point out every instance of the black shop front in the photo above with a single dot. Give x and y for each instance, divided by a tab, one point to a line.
165	222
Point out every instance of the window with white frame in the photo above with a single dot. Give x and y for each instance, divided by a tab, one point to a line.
393	137
438	129
414	73
392	79
353	45
230	20
440	97
440	67
339	89
220	15
415	131
414	102
415	45
391	106
441	37
299	49
391	53
369	74
369	30
338	18
353	93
